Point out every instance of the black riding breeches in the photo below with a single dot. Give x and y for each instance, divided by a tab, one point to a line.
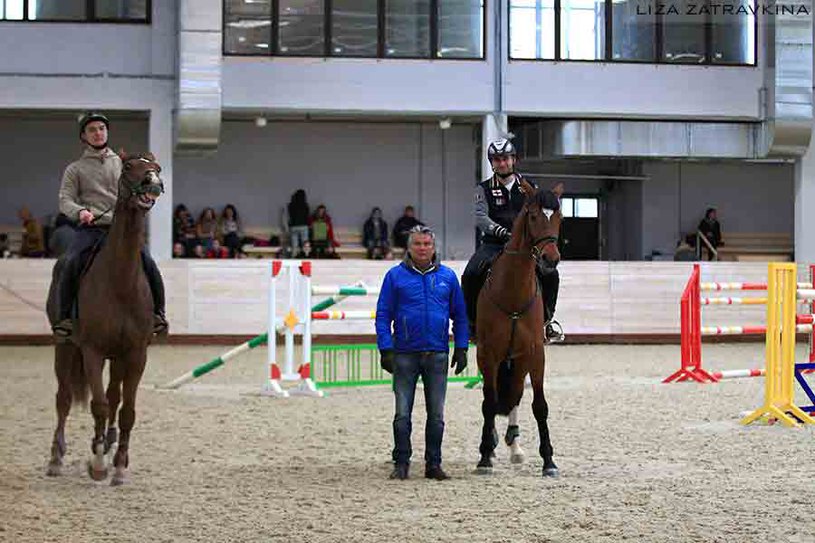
76	257
475	274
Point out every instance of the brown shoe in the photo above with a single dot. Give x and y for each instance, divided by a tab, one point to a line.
435	472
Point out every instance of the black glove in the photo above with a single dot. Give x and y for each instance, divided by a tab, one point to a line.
386	360
459	359
502	233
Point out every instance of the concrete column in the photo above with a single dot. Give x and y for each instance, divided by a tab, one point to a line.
493	127
160	222
805	207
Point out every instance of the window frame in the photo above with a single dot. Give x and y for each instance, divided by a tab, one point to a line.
90	16
381	35
659	45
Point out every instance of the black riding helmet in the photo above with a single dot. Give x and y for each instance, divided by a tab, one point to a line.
500	147
89	117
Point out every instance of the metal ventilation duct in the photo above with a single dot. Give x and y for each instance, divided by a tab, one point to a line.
785	132
198	111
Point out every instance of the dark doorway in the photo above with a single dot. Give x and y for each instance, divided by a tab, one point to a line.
580	229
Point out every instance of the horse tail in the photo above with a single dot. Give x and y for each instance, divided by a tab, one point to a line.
505	400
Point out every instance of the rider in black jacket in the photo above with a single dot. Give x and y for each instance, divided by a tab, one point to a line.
498	200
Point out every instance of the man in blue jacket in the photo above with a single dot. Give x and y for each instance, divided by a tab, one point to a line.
417	300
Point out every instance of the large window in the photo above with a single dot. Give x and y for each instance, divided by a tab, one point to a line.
449	29
679	32
89	11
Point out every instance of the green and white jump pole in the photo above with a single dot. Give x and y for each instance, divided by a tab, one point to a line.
277	324
203	369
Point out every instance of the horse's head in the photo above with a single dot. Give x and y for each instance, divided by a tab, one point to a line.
540	222
140	184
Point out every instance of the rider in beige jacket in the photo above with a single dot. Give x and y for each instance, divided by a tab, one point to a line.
88	196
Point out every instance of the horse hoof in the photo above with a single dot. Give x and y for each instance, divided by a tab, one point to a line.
484	467
119	478
551	472
517	458
97	474
54	469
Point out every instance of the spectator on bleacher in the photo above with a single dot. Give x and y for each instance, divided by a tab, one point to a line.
184	227
33	245
403	225
298	223
375	236
198	251
321	232
231	231
216	250
207	228
685	252
712	230
5	246
179	250
62	236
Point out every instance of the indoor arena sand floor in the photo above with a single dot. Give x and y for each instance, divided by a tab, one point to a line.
639	460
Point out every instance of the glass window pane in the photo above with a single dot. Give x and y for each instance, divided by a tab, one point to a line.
633	32
582	29
121	9
585	207
461	24
734	37
301	28
532	29
407	28
683	33
13	10
566	207
57	10
248	27
353	28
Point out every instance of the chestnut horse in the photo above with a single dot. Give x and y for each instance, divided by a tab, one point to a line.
510	322
115	323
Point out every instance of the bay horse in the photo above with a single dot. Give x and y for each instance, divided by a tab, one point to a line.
510	322
115	323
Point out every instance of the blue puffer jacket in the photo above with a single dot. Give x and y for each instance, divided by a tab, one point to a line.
414	310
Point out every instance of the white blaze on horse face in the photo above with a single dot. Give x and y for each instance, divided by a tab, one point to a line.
548	213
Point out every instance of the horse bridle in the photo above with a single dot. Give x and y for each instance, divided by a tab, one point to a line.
535	252
137	189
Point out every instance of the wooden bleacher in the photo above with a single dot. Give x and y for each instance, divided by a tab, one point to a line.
15	236
350	240
757	247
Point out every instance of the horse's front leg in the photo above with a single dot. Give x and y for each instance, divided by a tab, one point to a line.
132	368
114	394
513	438
489	438
93	363
541	410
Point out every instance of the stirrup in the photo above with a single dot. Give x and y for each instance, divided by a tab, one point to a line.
63	330
553	332
160	325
